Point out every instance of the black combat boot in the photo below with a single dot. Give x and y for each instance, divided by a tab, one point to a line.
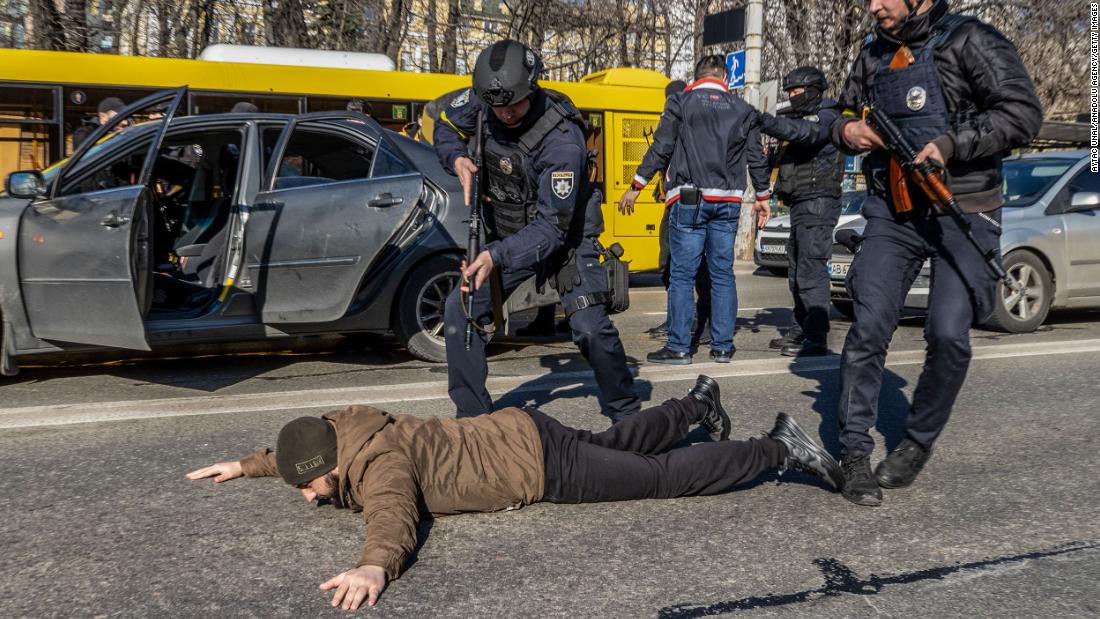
805	348
902	465
659	332
792	337
860	486
664	355
804	454
715	420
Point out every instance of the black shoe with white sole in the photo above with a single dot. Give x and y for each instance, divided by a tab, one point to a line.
805	454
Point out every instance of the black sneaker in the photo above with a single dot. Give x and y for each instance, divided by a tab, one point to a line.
860	486
902	465
658	332
720	356
805	454
664	355
790	338
805	348
715	420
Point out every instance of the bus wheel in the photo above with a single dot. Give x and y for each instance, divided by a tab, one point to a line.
419	320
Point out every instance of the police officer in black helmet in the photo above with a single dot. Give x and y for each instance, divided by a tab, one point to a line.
542	219
810	170
963	97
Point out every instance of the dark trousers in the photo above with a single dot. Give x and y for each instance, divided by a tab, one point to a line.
593	333
808	252
702	276
962	290
632	460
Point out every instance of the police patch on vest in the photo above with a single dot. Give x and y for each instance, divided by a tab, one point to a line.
309	465
916	98
562	184
461	99
506	165
812	118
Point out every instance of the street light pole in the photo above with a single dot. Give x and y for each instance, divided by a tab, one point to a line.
754	43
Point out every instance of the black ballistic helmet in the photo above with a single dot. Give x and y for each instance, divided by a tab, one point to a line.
506	72
806	77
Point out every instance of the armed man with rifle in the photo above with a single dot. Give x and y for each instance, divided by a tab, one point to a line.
542	218
938	99
810	171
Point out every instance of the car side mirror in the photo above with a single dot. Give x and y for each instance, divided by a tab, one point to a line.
28	184
1083	201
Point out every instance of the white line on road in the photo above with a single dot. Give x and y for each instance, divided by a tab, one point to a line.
95	412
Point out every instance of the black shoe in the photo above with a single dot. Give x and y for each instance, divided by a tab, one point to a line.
664	355
719	356
860	486
902	465
788	339
715	420
805	454
806	348
658	332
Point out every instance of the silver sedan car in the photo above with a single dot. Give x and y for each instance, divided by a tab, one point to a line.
1050	242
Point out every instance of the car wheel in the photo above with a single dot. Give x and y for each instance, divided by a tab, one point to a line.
845	307
1022	312
419	320
780	271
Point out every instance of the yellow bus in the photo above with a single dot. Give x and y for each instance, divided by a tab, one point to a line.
45	96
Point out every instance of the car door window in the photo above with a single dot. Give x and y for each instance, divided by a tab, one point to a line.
317	155
116	167
1083	181
389	163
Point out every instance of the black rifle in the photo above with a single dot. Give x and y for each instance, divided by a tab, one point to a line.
929	178
473	240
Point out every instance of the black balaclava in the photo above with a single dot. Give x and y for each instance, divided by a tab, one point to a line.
808	102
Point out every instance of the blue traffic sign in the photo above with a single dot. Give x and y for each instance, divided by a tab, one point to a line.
735	66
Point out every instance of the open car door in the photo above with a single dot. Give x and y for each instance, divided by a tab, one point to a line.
84	258
334	195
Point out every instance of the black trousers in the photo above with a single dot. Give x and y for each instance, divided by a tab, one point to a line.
808	252
963	290
632	459
593	333
702	276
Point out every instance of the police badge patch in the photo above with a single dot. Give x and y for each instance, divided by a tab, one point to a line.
461	99
916	98
506	165
562	184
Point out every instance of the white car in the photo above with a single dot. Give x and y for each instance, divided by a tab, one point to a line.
1050	242
771	242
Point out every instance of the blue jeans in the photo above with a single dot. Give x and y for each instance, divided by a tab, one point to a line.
710	225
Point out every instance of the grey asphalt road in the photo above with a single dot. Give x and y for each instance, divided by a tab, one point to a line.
97	520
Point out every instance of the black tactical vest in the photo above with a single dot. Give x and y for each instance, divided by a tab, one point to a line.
806	173
913	97
510	180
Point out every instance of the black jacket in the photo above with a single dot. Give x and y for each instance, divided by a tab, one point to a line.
705	137
809	145
562	154
986	87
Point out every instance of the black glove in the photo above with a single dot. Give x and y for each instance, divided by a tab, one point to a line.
568	276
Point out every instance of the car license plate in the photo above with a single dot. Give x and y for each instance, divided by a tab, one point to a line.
773	249
839	270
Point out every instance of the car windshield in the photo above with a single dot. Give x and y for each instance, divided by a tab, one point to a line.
1027	179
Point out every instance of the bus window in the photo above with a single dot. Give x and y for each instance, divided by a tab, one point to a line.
222	103
27	103
26	147
82	108
389	113
595	144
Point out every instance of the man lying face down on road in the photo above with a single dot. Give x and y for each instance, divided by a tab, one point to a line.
390	466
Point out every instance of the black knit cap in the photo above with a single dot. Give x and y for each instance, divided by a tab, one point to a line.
306	450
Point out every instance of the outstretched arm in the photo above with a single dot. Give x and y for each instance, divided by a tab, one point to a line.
259	463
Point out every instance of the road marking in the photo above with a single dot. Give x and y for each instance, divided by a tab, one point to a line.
739	310
96	412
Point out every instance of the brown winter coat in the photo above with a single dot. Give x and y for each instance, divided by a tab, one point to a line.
399	467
